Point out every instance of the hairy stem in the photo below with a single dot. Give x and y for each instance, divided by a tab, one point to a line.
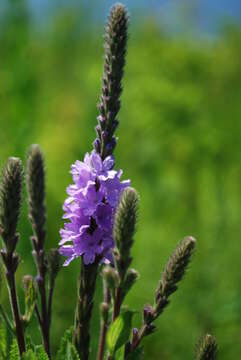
44	324
86	290
15	311
104	323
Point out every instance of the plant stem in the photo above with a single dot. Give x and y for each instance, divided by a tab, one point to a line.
141	334
44	325
51	291
86	290
15	310
117	304
104	324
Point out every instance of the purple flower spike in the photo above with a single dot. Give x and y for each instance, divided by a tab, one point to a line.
90	208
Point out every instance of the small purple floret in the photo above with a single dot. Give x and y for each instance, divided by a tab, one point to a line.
90	208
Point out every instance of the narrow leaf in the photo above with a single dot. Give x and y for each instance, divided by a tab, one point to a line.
119	332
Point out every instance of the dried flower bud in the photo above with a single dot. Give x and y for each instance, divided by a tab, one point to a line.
10	261
10	202
150	329
148	314
207	348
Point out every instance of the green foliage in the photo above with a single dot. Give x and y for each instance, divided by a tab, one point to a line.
67	350
119	355
137	354
29	342
14	352
29	355
30	297
71	352
37	354
119	332
40	353
5	340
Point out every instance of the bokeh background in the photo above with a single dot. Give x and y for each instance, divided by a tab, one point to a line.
179	143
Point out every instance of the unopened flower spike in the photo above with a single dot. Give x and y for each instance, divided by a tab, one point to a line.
10	202
124	228
114	62
35	180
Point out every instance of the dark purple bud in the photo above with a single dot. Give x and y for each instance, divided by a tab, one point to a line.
150	329
113	142
148	314
101	121
134	335
38	279
111	146
97	146
114	126
98	130
104	135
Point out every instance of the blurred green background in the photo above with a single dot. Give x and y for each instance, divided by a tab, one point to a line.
179	143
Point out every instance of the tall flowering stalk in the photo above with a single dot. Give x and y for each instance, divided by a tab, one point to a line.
93	198
10	203
114	61
35	180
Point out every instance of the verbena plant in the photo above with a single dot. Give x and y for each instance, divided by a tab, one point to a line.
100	215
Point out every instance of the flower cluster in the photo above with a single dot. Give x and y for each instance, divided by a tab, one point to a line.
90	209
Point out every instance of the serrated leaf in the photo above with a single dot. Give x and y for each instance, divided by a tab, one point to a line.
30	298
71	352
6	338
29	355
137	354
14	352
40	353
67	337
29	343
3	342
119	332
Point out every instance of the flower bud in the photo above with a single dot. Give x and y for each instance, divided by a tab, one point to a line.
148	314
131	277
111	277
104	311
